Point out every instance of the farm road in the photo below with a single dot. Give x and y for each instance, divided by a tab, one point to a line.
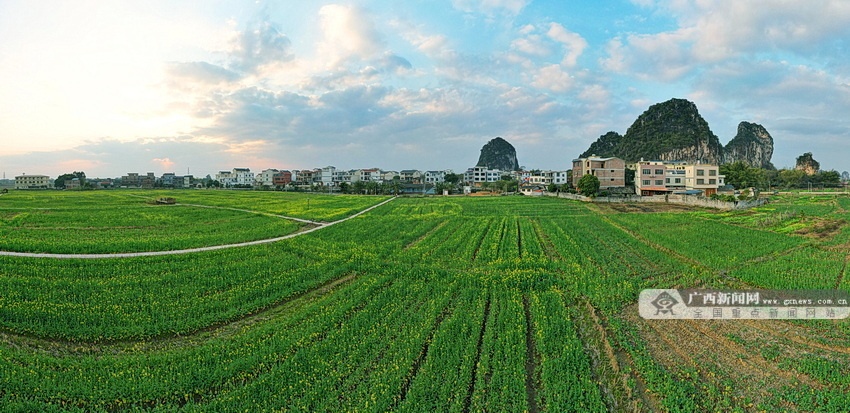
319	225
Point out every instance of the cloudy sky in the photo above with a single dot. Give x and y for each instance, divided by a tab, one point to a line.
110	87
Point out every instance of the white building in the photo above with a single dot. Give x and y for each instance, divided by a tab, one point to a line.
411	176
265	178
434	177
480	174
663	177
324	176
237	176
389	176
225	178
33	182
342	177
367	175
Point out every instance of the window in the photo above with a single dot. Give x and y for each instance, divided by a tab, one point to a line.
712	182
659	182
700	172
712	172
645	171
646	181
659	172
678	180
667	180
700	181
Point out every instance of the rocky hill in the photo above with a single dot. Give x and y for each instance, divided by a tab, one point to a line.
807	164
675	131
752	145
498	154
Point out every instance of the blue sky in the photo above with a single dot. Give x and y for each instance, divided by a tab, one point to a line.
112	87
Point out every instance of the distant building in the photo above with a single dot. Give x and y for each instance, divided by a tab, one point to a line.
650	177
410	176
541	177
234	177
33	182
664	177
147	181
243	176
434	177
74	183
478	175
266	178
167	180
131	180
281	179
611	172
341	177
367	175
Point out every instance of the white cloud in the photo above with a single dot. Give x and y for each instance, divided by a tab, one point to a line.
573	43
710	32
553	78
491	7
532	46
348	33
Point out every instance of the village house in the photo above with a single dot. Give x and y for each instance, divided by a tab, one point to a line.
33	182
611	172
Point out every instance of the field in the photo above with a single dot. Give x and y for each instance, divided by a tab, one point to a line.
421	304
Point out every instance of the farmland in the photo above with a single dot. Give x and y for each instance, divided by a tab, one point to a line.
128	221
421	304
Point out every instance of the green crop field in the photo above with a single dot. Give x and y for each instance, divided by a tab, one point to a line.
446	304
129	221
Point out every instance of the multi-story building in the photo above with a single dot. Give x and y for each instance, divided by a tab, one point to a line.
304	177
541	177
167	180
611	172
650	178
325	176
704	177
410	176
33	182
236	176
131	180
556	177
186	181
225	178
664	177
341	177
265	178
281	179
73	183
433	177
243	176
147	181
480	174
367	175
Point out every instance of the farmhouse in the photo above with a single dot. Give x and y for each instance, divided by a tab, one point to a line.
33	182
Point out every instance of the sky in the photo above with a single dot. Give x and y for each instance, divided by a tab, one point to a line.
110	87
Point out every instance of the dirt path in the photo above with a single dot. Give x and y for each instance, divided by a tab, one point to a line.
319	225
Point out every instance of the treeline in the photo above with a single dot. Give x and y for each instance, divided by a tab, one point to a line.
741	175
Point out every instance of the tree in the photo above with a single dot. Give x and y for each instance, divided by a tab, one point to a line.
588	185
791	178
741	175
453	178
358	187
552	187
344	187
59	182
630	177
